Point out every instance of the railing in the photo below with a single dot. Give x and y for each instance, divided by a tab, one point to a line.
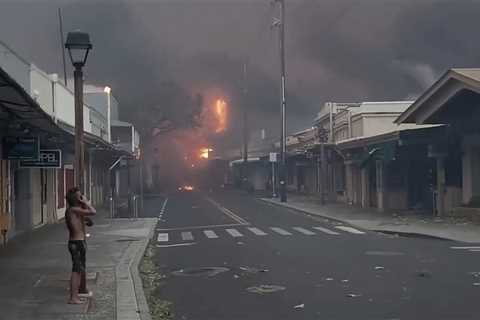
135	201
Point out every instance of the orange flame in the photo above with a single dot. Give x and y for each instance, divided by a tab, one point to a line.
221	115
204	153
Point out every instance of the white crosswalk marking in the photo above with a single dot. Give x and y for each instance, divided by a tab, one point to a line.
210	234
257	231
350	229
187	236
327	231
281	231
234	233
162	237
304	231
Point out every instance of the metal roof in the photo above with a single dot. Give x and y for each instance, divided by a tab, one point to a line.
466	77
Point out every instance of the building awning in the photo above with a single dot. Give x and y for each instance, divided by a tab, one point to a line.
17	105
456	88
92	140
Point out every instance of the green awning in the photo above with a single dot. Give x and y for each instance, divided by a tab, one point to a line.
384	151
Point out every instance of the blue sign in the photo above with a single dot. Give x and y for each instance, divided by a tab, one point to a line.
47	159
20	148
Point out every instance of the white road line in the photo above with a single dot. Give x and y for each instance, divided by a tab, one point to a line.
281	231
162	211
234	233
202	227
304	231
187	236
327	231
210	234
227	212
257	231
474	250
162	237
350	229
464	248
175	245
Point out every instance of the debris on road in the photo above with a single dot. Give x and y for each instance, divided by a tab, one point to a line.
353	295
424	274
253	270
236	276
265	288
240	243
328	279
300	306
345	280
384	253
379	268
476	284
199	272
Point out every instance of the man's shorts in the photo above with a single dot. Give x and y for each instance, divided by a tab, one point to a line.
77	250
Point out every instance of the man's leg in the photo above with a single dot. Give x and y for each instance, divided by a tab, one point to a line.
83	283
83	275
76	252
74	285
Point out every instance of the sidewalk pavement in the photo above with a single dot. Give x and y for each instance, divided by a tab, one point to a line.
451	228
35	270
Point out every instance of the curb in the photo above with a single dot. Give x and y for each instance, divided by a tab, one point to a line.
131	303
385	231
413	235
308	213
137	280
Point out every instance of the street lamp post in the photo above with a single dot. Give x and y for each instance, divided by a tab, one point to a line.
78	45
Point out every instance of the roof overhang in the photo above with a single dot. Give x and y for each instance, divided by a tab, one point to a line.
435	98
17	105
402	137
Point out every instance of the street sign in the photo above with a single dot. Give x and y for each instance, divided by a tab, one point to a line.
20	148
273	156
47	159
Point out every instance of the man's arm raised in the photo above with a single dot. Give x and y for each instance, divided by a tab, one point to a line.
87	211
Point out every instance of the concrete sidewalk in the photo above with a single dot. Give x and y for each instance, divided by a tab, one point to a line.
368	219
35	269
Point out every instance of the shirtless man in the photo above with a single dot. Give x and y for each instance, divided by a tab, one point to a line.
77	215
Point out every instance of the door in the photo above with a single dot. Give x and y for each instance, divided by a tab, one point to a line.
23	214
69	179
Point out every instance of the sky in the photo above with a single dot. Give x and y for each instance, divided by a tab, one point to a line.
336	50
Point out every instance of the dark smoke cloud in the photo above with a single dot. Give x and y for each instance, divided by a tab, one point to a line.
343	50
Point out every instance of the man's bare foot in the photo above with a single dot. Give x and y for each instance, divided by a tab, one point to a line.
75	301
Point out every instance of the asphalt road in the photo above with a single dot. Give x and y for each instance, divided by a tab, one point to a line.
320	269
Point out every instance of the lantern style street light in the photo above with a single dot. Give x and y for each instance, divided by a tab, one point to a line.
78	46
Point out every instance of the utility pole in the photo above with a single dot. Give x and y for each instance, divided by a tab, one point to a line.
245	122
283	149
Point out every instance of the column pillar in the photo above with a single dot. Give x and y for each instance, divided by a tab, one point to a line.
349	182
381	185
365	187
441	186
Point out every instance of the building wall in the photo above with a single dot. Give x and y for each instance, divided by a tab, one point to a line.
42	89
471	168
374	124
65	104
357	127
